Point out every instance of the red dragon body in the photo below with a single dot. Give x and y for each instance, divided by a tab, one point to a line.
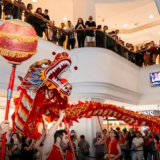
43	93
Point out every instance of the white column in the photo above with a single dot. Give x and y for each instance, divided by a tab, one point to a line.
83	9
88	127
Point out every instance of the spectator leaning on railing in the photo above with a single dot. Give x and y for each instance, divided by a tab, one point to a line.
43	25
80	32
8	10
144	56
28	13
61	37
18	11
105	28
71	38
90	37
99	35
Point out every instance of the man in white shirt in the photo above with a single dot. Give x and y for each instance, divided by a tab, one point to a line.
138	145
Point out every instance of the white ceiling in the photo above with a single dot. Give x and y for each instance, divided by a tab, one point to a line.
143	36
117	14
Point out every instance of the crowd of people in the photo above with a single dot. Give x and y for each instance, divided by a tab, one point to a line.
54	144
86	33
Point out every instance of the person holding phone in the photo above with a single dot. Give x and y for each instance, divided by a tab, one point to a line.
99	148
80	32
15	147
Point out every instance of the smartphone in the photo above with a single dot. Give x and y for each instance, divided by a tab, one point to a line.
15	141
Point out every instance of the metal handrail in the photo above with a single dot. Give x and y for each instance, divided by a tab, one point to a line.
105	39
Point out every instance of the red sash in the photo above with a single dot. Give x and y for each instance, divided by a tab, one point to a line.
112	150
69	155
56	154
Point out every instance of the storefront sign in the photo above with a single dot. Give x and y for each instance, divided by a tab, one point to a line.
151	113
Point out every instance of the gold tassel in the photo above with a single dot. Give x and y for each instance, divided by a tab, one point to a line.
19	37
15	54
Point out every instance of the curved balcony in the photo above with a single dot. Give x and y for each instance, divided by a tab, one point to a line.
147	56
104	72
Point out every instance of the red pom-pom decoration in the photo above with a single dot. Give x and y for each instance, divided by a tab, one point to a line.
75	68
53	53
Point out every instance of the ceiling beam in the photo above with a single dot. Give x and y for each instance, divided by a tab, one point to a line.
140	28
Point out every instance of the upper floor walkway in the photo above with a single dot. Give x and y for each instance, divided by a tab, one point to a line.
107	71
75	37
102	74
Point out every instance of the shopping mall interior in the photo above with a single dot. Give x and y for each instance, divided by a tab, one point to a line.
101	74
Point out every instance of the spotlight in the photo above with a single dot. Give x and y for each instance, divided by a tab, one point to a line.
64	18
151	16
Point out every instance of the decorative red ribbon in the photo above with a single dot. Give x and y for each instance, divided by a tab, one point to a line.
9	96
74	156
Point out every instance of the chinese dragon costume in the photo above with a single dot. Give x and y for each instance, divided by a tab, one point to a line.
44	92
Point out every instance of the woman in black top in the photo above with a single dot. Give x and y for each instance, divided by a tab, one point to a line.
15	147
41	24
29	13
99	36
27	149
80	32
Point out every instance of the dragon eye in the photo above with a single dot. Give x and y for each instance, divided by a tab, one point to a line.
44	65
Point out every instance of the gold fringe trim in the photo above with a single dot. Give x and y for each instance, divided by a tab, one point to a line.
15	54
19	37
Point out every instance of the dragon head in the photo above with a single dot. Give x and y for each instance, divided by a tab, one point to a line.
51	75
43	93
46	75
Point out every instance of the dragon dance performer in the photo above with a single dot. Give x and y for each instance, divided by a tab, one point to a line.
56	142
112	144
113	147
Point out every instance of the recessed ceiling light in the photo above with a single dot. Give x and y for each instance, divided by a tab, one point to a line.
159	32
125	25
135	26
64	18
34	1
151	16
